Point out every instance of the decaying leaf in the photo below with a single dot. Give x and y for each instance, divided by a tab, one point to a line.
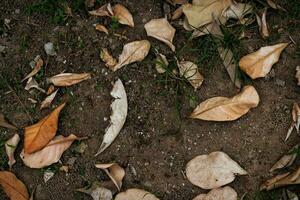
262	24
37	64
67	79
161	30
287	160
115	173
123	15
48	174
238	10
49	154
97	191
48	100
5	124
50	90
109	60
213	170
258	64
13	187
282	180
227	109
296	120
161	63
212	28
118	117
104	10
101	28
133	52
38	135
49	49
177	13
135	194
274	5
31	83
225	193
190	71
10	147
298	74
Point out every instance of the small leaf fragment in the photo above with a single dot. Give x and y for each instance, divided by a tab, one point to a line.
5	124
104	10
297	76
68	79
48	100
101	28
37	64
97	191
123	15
296	120
49	49
274	5
262	24
190	71
161	63
48	174
285	161
135	194
10	147
109	60
31	83
222	193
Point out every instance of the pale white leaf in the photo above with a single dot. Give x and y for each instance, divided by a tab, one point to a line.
10	147
189	70
48	100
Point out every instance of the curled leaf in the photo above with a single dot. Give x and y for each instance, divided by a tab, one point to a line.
5	124
238	10
224	193
258	64
97	191
123	15
133	52
161	63
262	24
213	170
48	100
298	74
37	64
38	135
109	60
287	160
118	117
190	71
227	109
101	28
13	187
135	194
68	79
31	83
296	120
10	147
161	30
104	10
49	154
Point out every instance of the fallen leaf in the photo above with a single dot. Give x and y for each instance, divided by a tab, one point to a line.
298	74
287	160
118	117
225	193
174	2
5	124
177	13
274	5
238	10
262	24
13	187
48	100
103	11
187	26
227	109
49	154
38	135
10	147
296	121
97	191
135	194
50	89
190	71
37	64
101	28
123	15
31	83
212	28
48	174
161	63
114	171
133	52
213	170
49	49
258	64
68	79
282	180
109	60
161	30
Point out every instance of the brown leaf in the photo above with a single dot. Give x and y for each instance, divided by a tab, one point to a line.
123	15
298	74
177	13
13	187
296	120
161	30
101	28
109	60
227	109
48	100
50	89
190	71
49	154
225	193
37	64
68	79
104	10
135	194
285	161
5	124
262	24
38	135
258	64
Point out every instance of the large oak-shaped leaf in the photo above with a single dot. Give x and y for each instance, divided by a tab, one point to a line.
67	79
258	64
225	193
13	187
213	170
227	109
135	194
133	52
38	135
123	15
161	30
49	154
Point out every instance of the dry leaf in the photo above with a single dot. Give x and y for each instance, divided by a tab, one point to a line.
49	154
161	30
274	5
282	180
31	83
48	100
133	52
298	74
49	49
135	194
187	26
190	71
48	174
238	10
177	13
104	10
13	187
109	60
50	89
213	170
37	64
101	28
287	160
291	196
115	173
123	15
161	63
67	79
10	147
258	64
225	193
227	109
97	191
212	28
5	124
296	121
38	135
118	117
262	24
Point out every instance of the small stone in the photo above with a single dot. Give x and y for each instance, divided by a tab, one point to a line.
280	83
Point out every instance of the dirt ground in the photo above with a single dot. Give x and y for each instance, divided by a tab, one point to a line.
158	138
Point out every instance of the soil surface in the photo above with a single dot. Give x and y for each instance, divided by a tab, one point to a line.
158	138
